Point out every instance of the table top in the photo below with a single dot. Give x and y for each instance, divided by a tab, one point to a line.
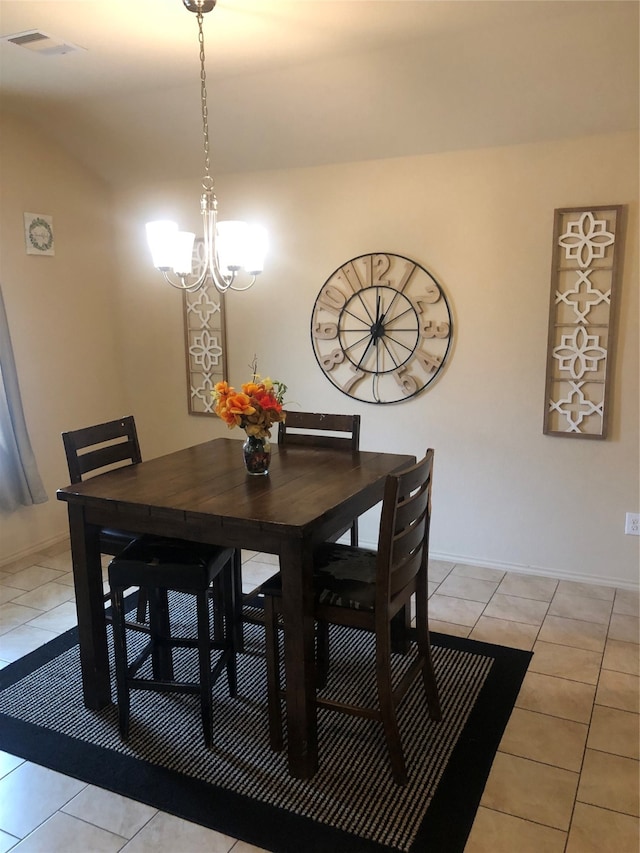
306	488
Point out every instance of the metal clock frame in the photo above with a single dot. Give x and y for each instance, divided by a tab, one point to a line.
355	331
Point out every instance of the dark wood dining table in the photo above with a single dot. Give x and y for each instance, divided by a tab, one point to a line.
203	494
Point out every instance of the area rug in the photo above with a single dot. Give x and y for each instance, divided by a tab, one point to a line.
242	788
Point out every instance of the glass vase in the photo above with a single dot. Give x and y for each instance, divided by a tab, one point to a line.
257	455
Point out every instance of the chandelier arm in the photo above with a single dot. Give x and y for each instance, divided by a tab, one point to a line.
247	286
222	283
182	283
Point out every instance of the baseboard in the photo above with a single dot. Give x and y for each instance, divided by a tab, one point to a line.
577	577
34	549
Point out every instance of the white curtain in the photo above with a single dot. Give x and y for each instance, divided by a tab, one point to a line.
20	483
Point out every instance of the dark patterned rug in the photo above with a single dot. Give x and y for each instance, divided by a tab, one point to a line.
241	787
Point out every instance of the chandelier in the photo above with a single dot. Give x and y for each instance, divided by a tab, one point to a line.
228	247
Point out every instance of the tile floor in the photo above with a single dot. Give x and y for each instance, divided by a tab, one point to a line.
565	779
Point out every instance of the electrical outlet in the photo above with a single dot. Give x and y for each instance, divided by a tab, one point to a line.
632	523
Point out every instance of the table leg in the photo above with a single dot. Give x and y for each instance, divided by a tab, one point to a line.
92	633
296	564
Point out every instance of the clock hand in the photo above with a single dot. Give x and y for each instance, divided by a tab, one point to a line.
374	334
366	352
383	319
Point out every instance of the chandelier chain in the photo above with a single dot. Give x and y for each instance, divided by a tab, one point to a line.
207	180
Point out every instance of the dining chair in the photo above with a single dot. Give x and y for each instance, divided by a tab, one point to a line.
365	589
115	444
97	448
191	568
318	429
309	429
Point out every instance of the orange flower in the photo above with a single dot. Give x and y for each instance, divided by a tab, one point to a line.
256	409
239	404
251	388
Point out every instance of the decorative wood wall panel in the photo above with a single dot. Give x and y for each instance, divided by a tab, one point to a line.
587	254
205	342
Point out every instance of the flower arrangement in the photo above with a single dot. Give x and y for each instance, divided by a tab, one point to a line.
256	408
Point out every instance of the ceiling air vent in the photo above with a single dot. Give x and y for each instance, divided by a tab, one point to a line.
42	43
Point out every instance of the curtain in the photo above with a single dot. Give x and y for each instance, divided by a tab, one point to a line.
20	483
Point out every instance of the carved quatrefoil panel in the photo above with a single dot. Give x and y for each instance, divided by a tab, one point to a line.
205	341
587	253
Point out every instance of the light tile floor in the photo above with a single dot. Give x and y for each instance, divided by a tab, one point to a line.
565	779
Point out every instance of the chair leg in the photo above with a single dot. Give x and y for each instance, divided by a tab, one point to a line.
424	650
229	592
388	710
322	654
160	634
400	626
236	570
204	662
141	610
273	673
217	599
431	686
354	533
120	654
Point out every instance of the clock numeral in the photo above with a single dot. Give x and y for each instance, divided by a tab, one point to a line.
332	298
349	275
431	295
430	363
405	381
325	331
408	272
330	360
429	329
377	267
350	383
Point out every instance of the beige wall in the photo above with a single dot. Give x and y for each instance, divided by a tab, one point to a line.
480	221
61	313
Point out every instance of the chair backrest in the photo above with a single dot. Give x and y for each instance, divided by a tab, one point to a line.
100	446
313	430
403	544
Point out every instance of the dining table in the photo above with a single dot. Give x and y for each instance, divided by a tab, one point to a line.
204	494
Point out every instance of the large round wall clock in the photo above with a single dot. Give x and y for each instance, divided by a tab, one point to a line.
381	328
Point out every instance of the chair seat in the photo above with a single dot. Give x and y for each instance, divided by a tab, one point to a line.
113	541
168	564
344	576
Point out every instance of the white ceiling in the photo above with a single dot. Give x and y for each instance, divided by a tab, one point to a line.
308	82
